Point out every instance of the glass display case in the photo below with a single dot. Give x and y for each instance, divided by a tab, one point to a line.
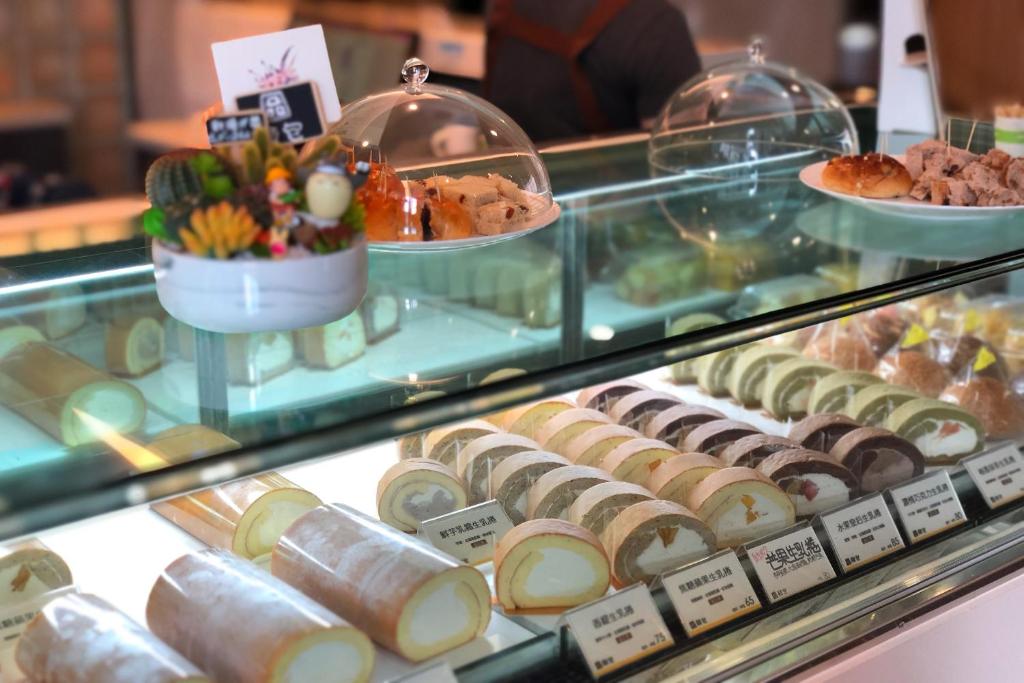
758	412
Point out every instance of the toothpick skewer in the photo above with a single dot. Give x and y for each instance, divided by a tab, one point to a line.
970	136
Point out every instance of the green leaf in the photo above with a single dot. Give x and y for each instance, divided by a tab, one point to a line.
218	186
355	215
153	223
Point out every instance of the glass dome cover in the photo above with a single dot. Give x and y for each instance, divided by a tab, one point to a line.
445	166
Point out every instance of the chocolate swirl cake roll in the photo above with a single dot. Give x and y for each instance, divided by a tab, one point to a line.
751	450
672	425
814	481
713	437
878	458
821	432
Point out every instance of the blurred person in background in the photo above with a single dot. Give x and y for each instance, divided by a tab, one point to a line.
572	68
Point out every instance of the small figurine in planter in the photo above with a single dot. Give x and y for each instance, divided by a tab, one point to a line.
334	213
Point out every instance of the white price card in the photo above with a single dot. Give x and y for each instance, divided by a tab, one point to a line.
998	474
927	505
618	629
861	532
790	562
710	592
438	672
15	618
469	534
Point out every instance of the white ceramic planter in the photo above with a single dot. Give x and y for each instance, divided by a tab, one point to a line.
260	295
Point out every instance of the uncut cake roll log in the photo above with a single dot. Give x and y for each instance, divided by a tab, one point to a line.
236	622
832	393
512	478
872	405
653	536
407	596
715	436
596	507
878	458
943	432
740	505
557	432
476	462
190	441
685	372
674	424
546	563
81	638
444	444
676	478
418	489
554	492
814	481
245	517
332	345
634	460
714	369
65	397
527	420
999	410
821	432
751	450
637	409
591	447
603	396
134	346
29	569
260	357
913	369
788	386
746	381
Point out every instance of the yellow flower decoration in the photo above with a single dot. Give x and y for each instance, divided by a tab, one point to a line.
220	231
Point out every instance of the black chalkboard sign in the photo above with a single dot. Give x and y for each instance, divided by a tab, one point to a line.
228	129
293	111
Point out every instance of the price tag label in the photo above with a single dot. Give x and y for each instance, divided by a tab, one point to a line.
998	474
469	534
927	505
790	562
438	672
234	128
618	629
710	592
15	618
862	532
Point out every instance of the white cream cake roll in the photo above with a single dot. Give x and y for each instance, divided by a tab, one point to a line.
553	493
654	536
557	432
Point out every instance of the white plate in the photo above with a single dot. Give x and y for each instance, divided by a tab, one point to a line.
543	217
907	207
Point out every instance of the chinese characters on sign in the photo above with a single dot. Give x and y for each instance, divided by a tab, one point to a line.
16	617
790	563
232	128
998	474
862	532
710	592
469	534
928	505
618	629
293	112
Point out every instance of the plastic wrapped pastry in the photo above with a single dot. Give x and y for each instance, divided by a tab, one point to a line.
746	382
878	458
740	505
407	596
943	432
676	478
673	425
238	623
597	506
982	389
882	327
418	489
512	478
841	344
788	386
603	396
685	372
911	364
80	638
653	536
814	481
832	393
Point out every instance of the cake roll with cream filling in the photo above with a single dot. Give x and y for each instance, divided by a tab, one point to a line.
592	446
654	536
713	437
714	369
872	405
751	450
443	444
788	386
528	419
603	396
814	481
878	458
562	428
740	505
418	489
476	462
676	478
672	425
943	432
597	506
832	393
821	432
512	478
553	493
637	409
634	460
746	382
685	372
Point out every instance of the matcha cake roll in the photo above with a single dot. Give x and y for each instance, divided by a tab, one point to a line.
653	536
878	458
751	450
832	393
713	437
746	382
872	405
788	386
713	370
676	478
672	425
637	409
943	432
685	372
821	432
814	481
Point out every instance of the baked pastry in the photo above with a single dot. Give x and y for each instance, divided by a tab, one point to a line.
914	369
512	478
476	462
714	369
821	432
685	372
881	327
528	419
444	444
603	396
713	437
872	405
418	489
676	478
878	458
740	505
672	425
590	447
878	176
653	536
557	432
638	408
954	351
553	492
844	350
813	480
751	450
746	382
597	506
1000	411
634	460
832	393
788	386
943	432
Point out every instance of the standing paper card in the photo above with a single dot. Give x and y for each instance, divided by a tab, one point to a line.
273	61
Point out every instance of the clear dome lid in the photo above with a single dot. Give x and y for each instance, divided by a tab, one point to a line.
443	164
749	126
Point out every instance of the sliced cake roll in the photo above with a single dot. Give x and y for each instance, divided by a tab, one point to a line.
418	489
334	344
565	426
788	386
821	432
478	459
411	445
833	393
592	446
654	536
713	437
634	460
872	405
444	443
527	420
597	506
740	505
685	372
746	382
676	478
943	432
603	396
814	481
672	425
751	450
878	458
512	478
637	409
553	493
713	370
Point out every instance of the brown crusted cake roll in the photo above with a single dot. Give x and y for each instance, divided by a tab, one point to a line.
479	458
653	536
672	425
713	437
821	432
634	460
636	410
564	427
513	477
740	505
553	493
878	458
590	447
418	489
678	475
603	396
814	481
444	443
597	506
527	420
751	450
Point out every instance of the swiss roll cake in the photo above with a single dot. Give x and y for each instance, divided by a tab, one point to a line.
29	569
814	481
746	382
637	409
478	459
685	372
821	432
418	489
943	432
553	493
740	505
832	393
597	506
590	447
878	458
513	477
603	396
788	386
872	405
676	478
444	443
751	450
528	419
672	425
565	426
714	369
634	460
713	437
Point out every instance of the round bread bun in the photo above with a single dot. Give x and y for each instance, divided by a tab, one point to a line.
1000	410
878	176
914	370
843	350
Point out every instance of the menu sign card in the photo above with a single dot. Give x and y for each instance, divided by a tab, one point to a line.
229	129
292	111
998	474
790	562
710	592
927	505
469	534
861	532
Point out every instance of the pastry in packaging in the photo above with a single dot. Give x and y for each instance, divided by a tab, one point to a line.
740	505
982	389
334	344
714	370
545	563
603	396
788	386
418	489
872	405
637	409
713	437
911	363
674	424
821	432
554	492
813	480
653	536
134	346
832	393
444	444
477	460
29	569
942	431
380	313
236	622
404	594
188	442
526	420
676	478
81	638
557	432
841	344
954	351
751	450
592	446
746	382
599	505
882	327
512	478
878	458
685	372
634	460
254	359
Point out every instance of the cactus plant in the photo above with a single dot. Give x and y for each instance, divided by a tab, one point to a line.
172	178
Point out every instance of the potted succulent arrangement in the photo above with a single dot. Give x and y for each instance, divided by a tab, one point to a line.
255	237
